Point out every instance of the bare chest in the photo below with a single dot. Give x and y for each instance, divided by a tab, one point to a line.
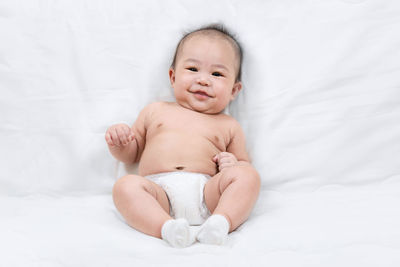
189	124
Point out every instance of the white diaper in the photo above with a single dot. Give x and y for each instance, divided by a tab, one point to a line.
185	193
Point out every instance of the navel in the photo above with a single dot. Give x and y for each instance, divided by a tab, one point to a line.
179	168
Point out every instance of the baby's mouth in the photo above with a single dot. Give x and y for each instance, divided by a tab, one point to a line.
201	94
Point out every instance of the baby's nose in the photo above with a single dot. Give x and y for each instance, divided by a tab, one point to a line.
203	81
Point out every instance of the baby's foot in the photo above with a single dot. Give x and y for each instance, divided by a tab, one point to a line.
177	233
214	230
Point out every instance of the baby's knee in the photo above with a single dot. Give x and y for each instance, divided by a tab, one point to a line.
128	184
246	174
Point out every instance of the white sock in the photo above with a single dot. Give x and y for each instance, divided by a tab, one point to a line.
214	230
177	233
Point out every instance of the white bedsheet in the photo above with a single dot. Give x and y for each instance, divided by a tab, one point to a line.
320	109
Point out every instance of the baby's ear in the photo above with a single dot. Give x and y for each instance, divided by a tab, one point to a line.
171	73
236	89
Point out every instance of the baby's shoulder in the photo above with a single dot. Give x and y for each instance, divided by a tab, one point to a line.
228	122
156	107
227	118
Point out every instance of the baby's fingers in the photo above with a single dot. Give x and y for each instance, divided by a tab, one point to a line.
108	139
220	156
225	160
225	154
129	134
225	165
115	137
122	136
215	158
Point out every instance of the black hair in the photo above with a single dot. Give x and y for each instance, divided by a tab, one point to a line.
220	29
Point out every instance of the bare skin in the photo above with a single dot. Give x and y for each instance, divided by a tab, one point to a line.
191	135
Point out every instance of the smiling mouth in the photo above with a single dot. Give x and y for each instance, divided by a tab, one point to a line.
201	93
201	96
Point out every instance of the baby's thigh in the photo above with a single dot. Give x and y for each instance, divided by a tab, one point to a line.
130	187
245	177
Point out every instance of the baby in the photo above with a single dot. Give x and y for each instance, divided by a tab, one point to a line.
193	164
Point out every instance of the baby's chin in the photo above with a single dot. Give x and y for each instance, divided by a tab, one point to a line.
205	110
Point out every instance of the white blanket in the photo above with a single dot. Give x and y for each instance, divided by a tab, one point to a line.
320	108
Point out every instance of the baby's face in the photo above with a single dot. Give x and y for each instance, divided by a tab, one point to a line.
205	73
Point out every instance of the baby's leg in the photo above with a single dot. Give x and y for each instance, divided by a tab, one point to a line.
231	193
142	203
145	207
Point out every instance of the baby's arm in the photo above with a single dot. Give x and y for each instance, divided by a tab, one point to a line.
236	150
126	144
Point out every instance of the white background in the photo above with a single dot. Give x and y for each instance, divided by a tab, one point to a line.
320	108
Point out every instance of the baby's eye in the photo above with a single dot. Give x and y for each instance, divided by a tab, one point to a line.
217	74
192	69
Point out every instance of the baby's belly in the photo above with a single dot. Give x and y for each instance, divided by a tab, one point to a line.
186	153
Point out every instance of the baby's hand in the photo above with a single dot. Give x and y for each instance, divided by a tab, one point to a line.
225	160
119	135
